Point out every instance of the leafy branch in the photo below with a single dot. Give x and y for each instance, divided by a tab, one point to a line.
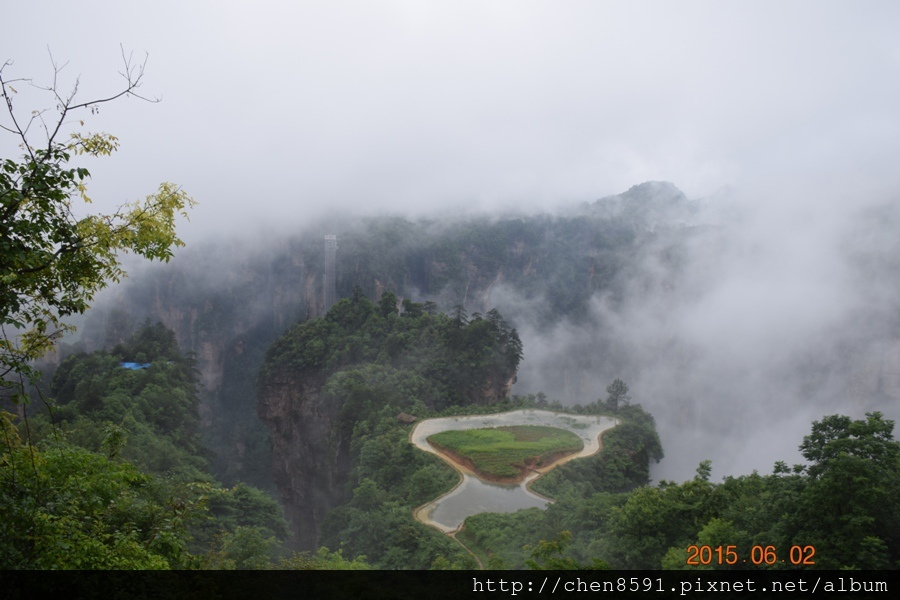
52	263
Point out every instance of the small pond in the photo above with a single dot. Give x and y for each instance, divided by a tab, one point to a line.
473	495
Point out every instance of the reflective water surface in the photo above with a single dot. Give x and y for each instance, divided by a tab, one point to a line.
473	495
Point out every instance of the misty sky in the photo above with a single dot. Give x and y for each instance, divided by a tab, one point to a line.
273	111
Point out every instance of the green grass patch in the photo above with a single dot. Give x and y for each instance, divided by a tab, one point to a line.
506	453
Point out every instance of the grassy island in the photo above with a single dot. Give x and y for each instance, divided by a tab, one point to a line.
506	453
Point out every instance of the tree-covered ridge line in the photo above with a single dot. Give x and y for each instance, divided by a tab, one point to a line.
563	258
433	359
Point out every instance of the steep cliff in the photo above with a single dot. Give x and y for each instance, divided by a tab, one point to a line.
324	377
311	454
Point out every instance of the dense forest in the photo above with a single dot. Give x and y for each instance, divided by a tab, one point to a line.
228	302
639	286
331	391
115	475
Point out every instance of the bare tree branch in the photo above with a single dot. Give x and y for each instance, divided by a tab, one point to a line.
12	114
132	73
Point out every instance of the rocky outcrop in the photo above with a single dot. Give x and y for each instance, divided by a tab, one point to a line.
217	298
312	460
325	379
311	451
496	388
311	456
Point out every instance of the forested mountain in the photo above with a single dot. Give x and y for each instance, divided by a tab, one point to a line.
661	290
227	303
326	385
722	335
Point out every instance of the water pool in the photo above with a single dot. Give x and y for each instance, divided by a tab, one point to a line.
473	495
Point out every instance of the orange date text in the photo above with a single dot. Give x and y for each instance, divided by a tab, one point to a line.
759	555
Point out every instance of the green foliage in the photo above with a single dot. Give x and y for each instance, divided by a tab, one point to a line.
244	548
239	518
323	560
653	519
68	508
238	298
848	509
150	414
584	502
125	462
388	535
622	464
843	504
617	391
507	452
52	263
369	364
704	470
391	478
838	437
548	556
430	358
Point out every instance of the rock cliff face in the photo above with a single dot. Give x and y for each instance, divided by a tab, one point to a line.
327	384
311	451
311	457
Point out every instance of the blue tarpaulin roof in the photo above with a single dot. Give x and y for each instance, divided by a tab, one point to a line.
135	366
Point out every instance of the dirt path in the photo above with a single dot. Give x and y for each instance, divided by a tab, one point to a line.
467	549
421	513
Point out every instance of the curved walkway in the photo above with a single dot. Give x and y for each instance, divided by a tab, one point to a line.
472	495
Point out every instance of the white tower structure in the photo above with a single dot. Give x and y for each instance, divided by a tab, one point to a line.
328	277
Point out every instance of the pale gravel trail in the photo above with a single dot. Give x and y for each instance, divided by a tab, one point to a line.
588	427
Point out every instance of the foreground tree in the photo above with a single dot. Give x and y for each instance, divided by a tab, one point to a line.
849	510
53	261
68	508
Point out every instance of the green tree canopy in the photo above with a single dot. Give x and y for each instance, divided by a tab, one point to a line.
69	508
849	508
618	393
